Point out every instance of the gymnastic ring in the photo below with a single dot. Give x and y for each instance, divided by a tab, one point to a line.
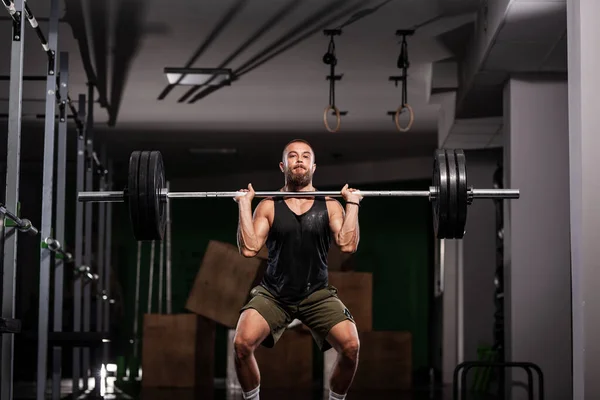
410	121
337	116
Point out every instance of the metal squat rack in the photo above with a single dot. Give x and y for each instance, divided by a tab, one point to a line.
91	284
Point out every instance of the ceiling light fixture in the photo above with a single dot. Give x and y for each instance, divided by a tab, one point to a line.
198	76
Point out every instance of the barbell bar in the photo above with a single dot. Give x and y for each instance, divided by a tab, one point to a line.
147	195
120	196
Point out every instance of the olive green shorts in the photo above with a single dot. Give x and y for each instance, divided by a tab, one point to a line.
320	312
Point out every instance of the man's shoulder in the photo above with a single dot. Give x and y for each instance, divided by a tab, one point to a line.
266	202
265	205
332	200
333	204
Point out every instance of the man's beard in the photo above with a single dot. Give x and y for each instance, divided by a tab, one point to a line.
296	179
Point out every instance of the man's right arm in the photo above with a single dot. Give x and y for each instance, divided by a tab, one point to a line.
253	230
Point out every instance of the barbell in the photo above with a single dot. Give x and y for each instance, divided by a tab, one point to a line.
146	194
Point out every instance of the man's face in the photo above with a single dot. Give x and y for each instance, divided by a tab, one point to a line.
298	164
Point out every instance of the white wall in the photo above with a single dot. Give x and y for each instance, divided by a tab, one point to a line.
584	141
479	256
537	241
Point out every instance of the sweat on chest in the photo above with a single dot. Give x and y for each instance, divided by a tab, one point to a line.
301	218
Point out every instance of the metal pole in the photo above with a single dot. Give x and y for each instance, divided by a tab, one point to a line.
100	304
13	169
101	247
79	220
61	173
89	184
169	298
161	266
151	276
107	263
47	205
137	301
100	259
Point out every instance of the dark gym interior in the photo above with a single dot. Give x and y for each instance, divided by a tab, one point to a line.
219	88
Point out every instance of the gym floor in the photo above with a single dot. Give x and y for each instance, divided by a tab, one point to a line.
113	392
318	395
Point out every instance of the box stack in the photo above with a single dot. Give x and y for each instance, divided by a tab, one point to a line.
178	351
385	360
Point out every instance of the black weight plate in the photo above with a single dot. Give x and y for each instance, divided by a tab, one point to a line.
156	182
452	195
462	195
440	201
144	206
435	201
132	193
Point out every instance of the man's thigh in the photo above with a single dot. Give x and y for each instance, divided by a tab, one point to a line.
252	328
267	306
321	312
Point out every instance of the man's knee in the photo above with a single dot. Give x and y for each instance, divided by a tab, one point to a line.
350	349
251	331
243	347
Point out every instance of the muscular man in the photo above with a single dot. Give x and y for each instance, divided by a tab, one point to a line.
298	233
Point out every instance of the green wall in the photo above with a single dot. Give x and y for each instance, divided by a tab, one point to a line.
396	246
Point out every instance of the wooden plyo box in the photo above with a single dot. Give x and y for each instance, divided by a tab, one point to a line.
178	351
152	393
339	261
288	365
355	290
223	283
385	362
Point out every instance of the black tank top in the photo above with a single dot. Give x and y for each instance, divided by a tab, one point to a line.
298	247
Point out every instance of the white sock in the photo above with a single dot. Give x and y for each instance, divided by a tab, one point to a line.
252	395
335	396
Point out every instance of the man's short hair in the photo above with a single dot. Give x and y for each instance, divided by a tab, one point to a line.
298	141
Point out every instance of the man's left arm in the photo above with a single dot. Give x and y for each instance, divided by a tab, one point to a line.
344	223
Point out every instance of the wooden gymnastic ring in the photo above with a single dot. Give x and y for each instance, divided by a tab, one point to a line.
410	121
337	116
